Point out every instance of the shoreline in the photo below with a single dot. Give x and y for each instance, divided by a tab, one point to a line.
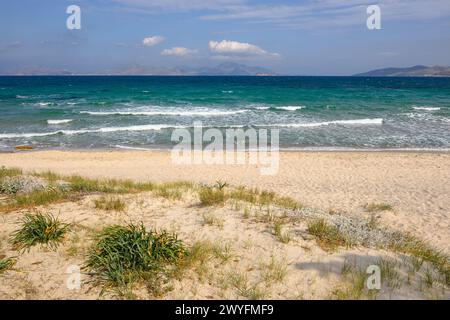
281	150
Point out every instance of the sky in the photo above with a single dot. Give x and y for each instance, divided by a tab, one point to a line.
303	37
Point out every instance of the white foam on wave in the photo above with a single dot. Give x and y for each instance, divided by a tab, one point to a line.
163	113
227	91
147	127
426	108
132	148
377	121
45	104
290	108
21	97
62	121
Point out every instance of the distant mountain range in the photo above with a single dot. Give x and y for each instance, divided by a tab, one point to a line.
223	69
416	71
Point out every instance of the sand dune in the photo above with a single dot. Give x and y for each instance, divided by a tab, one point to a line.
416	185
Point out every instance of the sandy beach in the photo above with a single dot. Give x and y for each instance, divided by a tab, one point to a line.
241	249
416	185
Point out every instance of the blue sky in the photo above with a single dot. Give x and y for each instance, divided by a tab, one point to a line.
311	37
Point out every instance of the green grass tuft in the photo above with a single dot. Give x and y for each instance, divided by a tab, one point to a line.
376	207
328	236
211	196
39	228
125	254
6	264
9	172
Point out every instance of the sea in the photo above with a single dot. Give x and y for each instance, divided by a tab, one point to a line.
141	112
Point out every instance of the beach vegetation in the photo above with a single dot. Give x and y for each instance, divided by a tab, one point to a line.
9	172
6	264
284	237
212	220
274	271
169	194
242	286
109	204
211	196
377	207
39	228
263	198
328	236
123	255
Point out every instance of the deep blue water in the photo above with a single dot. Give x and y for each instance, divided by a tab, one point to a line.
141	112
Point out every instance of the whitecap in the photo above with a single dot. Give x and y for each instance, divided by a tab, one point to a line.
148	127
377	121
62	121
164	113
290	108
426	108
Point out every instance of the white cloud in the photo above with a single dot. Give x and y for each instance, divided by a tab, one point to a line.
234	48
152	41
178	52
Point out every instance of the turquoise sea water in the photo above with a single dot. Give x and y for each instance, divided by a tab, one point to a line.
140	112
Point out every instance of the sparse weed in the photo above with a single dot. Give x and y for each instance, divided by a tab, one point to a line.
211	220
376	207
389	275
274	271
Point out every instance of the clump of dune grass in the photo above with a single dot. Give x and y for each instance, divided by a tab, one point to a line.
283	237
36	198
170	194
211	196
328	236
122	255
354	287
9	172
39	228
263	198
376	207
240	283
212	220
6	263
422	252
110	204
274	271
